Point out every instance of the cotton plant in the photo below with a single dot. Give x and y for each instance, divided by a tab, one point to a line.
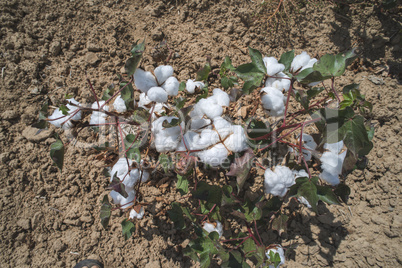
193	138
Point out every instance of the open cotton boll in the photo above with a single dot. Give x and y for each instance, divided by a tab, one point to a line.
299	62
162	73
119	105
278	182
198	123
98	118
272	65
334	147
144	101
236	142
210	108
129	180
309	143
164	144
278	249
192	140
300	174
191	85
279	83
135	215
166	139
214	156
332	163
118	199
157	94
309	64
221	97
208	137
210	227
144	80
273	101
58	114
222	126
171	86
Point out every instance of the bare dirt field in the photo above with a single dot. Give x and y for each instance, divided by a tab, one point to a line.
48	48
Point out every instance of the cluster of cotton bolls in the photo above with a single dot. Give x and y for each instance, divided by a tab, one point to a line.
58	119
279	181
278	82
211	227
129	178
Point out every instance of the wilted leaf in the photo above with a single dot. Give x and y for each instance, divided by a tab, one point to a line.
280	223
57	153
128	228
182	184
241	168
326	195
166	162
118	186
173	123
42	123
136	55
108	92
203	73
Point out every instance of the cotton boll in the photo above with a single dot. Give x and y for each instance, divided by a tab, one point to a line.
332	179
157	94
197	111
222	126
334	147
58	114
277	249
272	65
221	97
120	168
166	139
210	108
171	86
135	215
191	85
157	127
210	227
309	143
144	101
199	123
162	73
191	139
98	118
300	174
208	137
214	156
332	166
309	64
278	182
279	83
236	142
273	101
119	105
144	80
118	199
299	61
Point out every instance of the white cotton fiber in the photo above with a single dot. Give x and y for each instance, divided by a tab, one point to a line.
304	201
309	64
144	101
144	80
166	139
119	105
208	137
308	143
210	227
222	126
299	174
278	249
272	65
135	215
237	141
332	162
162	73
129	180
171	86
221	97
210	108
191	85
98	118
192	140
279	83
157	94
118	199
273	101
214	156
278	182
199	123
58	114
299	62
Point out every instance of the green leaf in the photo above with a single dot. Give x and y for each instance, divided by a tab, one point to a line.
287	58
347	89
326	195
180	102
136	55
182	86
205	259
118	186
176	215
182	184
343	191
251	75
141	115
249	247
105	212
309	75
235	260
127	94
355	136
309	191
209	193
42	123
274	258
166	162
57	153
227	197
132	148
295	187
204	93
203	73
334	65
64	109
128	228
280	223
227	65
108	92
256	58
173	123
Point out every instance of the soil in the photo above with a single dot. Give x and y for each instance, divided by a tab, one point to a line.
49	48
